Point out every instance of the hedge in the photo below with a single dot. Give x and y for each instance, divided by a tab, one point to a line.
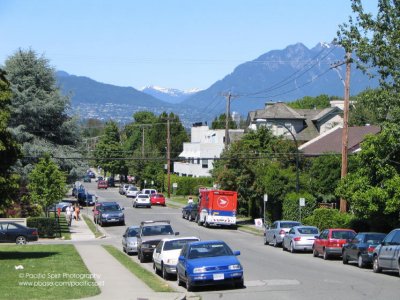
324	218
291	207
47	227
189	185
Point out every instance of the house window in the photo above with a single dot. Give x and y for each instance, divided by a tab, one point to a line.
198	161
204	163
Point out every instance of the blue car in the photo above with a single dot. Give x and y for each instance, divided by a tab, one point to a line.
209	263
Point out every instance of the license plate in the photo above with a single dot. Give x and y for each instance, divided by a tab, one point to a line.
218	276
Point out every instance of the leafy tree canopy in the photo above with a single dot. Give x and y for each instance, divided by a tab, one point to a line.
308	102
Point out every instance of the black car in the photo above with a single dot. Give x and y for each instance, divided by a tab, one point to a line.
190	211
86	199
11	232
361	248
110	213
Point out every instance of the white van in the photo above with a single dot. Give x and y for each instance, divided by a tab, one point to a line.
149	191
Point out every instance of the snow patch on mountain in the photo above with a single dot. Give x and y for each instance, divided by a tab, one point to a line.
169	94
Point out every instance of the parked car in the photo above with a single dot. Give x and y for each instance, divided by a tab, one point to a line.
165	256
149	191
300	238
190	211
157	199
141	200
102	184
11	232
361	248
91	174
123	187
330	242
277	231
87	178
208	263
386	256
98	178
86	199
132	191
56	206
129	240
150	234
110	213
111	182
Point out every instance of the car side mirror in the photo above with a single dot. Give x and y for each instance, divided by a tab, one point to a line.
124	235
181	258
236	253
177	233
123	208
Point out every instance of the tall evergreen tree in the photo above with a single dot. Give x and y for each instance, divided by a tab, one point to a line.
9	149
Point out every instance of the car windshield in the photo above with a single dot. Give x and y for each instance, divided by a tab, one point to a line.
343	235
289	224
110	207
177	244
133	188
157	230
308	230
209	250
132	232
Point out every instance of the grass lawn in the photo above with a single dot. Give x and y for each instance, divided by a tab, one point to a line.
49	272
152	280
92	226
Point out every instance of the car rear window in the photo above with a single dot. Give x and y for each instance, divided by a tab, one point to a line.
308	230
157	230
342	235
374	238
178	244
289	224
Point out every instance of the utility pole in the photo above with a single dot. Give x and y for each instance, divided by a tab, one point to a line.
345	131
227	113
168	158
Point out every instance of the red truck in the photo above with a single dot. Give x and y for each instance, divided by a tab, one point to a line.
217	207
102	184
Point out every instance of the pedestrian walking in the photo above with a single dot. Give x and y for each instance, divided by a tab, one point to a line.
68	215
77	212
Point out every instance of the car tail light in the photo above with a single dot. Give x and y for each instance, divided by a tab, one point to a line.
371	249
34	232
297	238
282	231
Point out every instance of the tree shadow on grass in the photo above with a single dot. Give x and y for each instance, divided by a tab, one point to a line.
24	255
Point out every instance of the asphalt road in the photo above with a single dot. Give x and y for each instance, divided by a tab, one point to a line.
270	273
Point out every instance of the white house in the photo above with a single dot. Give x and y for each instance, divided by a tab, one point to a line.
205	145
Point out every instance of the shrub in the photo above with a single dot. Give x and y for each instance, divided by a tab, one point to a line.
291	207
190	185
47	227
324	218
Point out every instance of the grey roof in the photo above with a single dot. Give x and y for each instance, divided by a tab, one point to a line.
277	111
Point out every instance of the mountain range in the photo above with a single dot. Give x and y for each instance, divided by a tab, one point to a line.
278	75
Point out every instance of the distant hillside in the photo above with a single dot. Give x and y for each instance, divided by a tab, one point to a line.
86	90
281	75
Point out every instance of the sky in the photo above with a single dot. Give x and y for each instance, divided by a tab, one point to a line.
180	44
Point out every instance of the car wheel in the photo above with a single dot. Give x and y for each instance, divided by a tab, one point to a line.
360	261
315	252
189	286
325	255
20	240
199	222
180	283
265	240
283	246
375	265
240	284
345	259
190	218
292	250
142	258
165	274
274	242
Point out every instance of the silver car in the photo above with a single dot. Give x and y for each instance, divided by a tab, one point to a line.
277	231
300	238
129	240
387	255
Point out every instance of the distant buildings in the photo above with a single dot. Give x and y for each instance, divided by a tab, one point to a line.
206	144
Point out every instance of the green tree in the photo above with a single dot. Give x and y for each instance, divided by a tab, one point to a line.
372	189
321	101
109	152
220	122
9	149
39	114
47	183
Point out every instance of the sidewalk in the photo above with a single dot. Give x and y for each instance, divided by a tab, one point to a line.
115	281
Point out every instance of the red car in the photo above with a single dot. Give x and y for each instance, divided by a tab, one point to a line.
157	199
102	184
330	242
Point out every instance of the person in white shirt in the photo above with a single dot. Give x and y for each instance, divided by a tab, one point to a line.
68	212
